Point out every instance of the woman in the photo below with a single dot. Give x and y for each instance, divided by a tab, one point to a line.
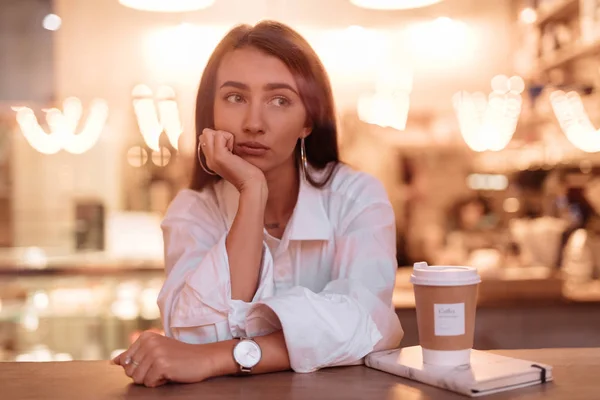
275	240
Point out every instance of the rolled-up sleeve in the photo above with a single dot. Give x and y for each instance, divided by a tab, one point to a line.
353	315
195	300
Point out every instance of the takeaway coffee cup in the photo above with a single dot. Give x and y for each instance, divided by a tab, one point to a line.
446	300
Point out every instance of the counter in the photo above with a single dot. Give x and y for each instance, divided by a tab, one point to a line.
519	309
109	299
576	374
512	287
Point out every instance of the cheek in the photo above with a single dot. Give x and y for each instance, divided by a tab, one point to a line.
291	121
288	128
227	118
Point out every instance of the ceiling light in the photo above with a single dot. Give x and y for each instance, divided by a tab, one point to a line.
167	5
528	16
52	22
393	4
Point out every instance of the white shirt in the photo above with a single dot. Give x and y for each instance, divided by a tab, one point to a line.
328	285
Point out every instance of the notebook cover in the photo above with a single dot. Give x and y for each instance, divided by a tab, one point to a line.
488	373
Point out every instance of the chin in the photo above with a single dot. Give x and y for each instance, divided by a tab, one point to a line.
258	162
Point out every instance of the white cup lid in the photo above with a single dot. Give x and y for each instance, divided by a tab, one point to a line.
441	275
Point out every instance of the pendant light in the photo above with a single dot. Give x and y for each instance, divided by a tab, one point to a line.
168	5
393	4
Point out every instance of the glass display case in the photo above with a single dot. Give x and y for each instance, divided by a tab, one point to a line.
76	313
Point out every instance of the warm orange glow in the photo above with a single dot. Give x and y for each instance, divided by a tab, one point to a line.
167	5
511	205
137	156
169	114
393	4
52	22
528	15
489	124
440	40
162	157
63	125
487	182
146	115
385	110
574	121
151	121
389	105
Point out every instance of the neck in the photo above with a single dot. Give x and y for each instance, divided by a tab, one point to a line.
284	186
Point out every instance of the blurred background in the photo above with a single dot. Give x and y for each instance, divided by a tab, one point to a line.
478	116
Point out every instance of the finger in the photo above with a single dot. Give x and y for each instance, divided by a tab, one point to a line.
223	142
208	149
207	140
154	377
139	372
122	359
125	358
204	135
116	360
136	362
230	140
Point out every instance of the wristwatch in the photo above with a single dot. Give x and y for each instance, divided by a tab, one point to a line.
247	354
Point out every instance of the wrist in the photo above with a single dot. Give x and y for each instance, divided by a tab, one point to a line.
256	191
219	357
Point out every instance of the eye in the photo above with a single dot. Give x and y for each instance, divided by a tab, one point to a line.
279	101
234	98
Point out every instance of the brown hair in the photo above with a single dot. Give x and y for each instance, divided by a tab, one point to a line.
283	42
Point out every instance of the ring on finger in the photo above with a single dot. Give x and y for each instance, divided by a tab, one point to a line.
135	363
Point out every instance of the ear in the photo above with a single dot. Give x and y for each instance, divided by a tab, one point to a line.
305	132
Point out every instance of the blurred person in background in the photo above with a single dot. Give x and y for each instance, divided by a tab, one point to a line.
573	208
278	256
580	245
471	228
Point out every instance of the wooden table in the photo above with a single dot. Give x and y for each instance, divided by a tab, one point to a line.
576	371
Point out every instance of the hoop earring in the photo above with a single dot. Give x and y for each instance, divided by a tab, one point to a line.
205	168
303	161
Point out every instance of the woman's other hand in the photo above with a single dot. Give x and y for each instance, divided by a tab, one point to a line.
153	360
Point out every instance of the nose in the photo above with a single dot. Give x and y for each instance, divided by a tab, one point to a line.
253	120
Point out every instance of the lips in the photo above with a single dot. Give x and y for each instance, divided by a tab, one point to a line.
251	148
253	145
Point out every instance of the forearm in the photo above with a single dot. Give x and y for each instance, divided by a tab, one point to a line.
274	355
244	244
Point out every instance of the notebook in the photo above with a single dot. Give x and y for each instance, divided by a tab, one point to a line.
488	373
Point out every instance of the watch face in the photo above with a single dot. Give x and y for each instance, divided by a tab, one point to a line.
247	353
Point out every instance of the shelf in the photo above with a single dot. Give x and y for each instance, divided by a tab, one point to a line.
88	271
567	56
559	11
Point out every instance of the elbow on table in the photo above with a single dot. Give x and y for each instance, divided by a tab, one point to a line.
183	319
391	334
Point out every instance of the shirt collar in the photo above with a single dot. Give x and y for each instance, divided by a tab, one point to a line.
309	221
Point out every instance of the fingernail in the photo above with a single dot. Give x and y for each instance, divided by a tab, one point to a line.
127	361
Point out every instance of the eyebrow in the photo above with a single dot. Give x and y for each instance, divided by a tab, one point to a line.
268	86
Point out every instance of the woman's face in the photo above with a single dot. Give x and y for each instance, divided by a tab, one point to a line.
257	100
